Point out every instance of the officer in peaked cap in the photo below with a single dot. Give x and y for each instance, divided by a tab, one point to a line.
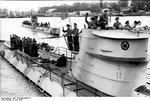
105	10
103	19
117	18
117	24
68	25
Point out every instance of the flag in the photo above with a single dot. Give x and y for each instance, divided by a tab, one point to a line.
64	16
101	3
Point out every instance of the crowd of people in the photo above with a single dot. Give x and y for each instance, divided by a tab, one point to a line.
102	22
27	45
72	37
96	23
30	47
127	26
46	24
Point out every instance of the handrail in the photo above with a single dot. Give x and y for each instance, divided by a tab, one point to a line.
63	50
29	58
65	77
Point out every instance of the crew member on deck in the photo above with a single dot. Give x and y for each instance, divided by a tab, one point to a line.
62	61
91	24
75	33
69	37
117	24
103	20
127	25
135	24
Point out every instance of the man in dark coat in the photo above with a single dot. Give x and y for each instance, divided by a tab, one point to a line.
103	20
62	61
75	33
117	24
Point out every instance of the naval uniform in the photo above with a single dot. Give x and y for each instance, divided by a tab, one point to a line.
103	20
76	39
69	38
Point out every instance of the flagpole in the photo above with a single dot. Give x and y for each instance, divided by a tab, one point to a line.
69	19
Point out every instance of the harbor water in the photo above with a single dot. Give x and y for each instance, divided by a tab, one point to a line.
14	84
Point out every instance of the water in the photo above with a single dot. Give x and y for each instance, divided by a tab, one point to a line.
12	83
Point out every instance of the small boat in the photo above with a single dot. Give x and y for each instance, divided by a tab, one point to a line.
36	27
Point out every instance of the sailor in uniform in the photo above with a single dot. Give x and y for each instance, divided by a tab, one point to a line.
103	19
117	24
69	36
75	33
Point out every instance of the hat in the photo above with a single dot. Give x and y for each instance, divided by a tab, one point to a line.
117	18
96	17
135	22
75	23
105	10
68	25
93	18
139	22
127	22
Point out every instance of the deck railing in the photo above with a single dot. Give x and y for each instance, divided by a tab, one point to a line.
64	80
62	50
80	86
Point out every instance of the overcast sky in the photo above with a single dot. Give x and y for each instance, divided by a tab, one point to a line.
28	5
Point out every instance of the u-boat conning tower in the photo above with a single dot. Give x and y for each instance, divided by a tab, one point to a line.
112	61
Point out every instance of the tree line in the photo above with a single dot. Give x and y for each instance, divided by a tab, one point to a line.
97	7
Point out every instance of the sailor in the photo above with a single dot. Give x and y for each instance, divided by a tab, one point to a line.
75	33
117	24
138	26
69	36
34	49
62	61
91	24
127	25
103	19
49	24
96	23
41	24
20	44
135	24
139	23
12	39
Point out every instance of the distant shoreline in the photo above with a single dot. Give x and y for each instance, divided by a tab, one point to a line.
83	16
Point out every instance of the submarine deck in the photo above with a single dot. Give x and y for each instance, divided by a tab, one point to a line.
56	73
